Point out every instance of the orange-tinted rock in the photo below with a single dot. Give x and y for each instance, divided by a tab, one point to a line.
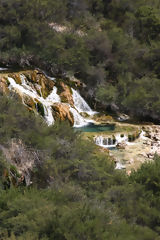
29	102
46	84
77	82
62	112
66	95
104	119
4	86
16	77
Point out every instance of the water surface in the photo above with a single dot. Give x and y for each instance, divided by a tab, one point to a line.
96	128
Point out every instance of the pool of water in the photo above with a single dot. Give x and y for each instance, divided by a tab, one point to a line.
96	128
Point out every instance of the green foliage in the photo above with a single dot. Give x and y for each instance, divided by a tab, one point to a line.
107	94
106	44
76	192
113	46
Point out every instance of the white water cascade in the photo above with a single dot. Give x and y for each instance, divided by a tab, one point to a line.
79	121
105	142
80	104
26	89
142	135
110	142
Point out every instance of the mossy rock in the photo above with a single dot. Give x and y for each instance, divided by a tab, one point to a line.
16	77
84	114
29	102
40	109
104	119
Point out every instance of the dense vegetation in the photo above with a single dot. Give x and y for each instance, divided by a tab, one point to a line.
75	193
111	45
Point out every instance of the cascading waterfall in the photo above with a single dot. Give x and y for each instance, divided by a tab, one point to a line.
54	97
80	104
26	89
79	121
110	142
105	142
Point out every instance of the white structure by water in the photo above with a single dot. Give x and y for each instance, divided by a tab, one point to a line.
110	142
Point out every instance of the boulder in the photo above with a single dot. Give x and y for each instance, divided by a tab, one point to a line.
62	112
104	119
123	117
66	94
39	78
27	100
122	145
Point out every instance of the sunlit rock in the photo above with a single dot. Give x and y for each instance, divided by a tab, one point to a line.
62	112
4	85
66	94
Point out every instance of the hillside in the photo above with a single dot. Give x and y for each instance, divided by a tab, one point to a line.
79	104
112	46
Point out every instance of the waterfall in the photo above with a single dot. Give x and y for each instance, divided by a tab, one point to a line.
33	91
110	142
120	138
105	142
80	104
79	121
53	97
47	103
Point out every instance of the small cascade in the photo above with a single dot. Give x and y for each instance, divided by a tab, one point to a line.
53	97
110	142
105	142
80	104
121	138
79	121
142	135
48	115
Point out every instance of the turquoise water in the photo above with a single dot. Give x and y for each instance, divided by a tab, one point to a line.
96	128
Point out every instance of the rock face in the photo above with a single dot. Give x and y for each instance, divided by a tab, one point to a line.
123	117
152	138
37	77
104	119
62	112
3	85
66	94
